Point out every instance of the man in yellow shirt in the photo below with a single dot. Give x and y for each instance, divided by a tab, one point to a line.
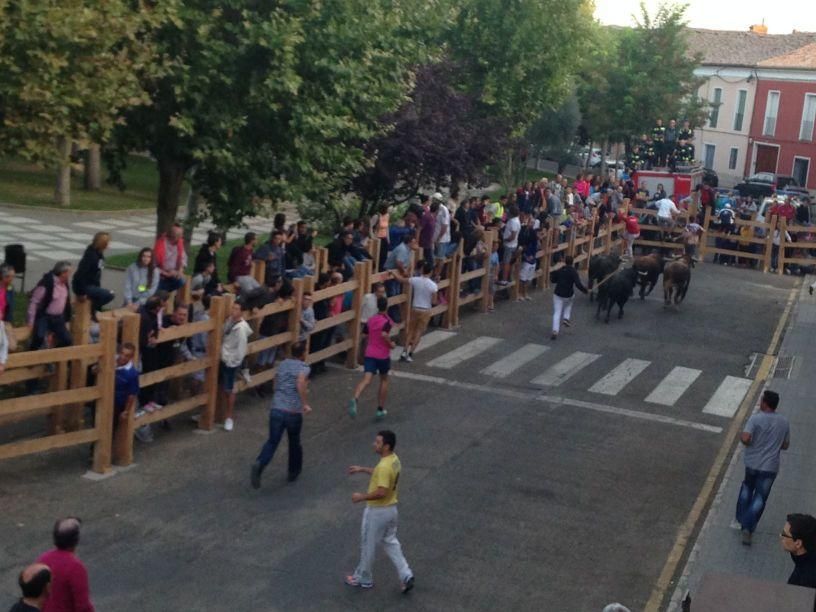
380	515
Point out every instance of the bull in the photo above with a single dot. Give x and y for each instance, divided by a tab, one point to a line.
616	291
601	266
676	279
649	268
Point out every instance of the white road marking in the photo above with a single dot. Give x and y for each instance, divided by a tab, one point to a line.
136	232
52	228
94	225
727	398
63	244
124	246
428	340
673	386
558	401
512	362
119	222
614	382
21	220
565	369
29	236
57	255
467	351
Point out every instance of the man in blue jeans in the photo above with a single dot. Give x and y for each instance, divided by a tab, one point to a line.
766	434
289	404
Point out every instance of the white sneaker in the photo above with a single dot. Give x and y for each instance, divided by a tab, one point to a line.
735	524
228	424
195	418
246	376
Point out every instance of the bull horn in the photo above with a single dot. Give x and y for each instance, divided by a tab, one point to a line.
643	273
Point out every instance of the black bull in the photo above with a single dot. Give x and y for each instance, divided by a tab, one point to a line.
600	266
616	291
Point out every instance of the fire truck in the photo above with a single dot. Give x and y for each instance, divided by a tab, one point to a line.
678	185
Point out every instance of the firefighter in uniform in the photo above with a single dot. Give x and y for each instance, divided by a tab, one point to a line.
683	154
650	154
685	133
659	140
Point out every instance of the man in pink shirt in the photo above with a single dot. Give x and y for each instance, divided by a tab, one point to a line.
377	357
50	307
69	587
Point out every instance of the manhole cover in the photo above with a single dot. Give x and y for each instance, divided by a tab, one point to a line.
783	367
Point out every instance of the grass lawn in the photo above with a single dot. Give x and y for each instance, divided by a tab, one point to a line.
28	184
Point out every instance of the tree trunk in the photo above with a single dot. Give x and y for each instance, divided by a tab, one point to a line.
191	219
603	158
93	167
62	193
171	180
588	159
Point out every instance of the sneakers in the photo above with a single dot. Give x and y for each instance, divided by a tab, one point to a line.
735	524
149	407
746	537
195	418
228	424
567	322
352	581
352	408
381	413
408	585
255	475
246	376
553	336
144	434
406	357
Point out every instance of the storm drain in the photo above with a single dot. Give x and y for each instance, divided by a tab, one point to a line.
783	366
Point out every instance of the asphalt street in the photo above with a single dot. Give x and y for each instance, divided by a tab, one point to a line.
533	478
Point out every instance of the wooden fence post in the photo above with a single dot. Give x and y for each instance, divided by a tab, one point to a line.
706	226
308	285
769	235
296	313
546	258
454	272
361	276
783	231
218	313
105	382
70	418
259	271
374	251
490	238
608	241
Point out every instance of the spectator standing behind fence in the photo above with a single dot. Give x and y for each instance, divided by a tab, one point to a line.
566	280
233	351
423	297
765	435
272	252
208	256
240	259
126	385
35	584
289	404
49	309
141	279
151	322
70	591
171	258
87	281
798	537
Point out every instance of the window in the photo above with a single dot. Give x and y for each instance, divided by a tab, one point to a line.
801	166
808	117
715	107
739	113
732	158
771	110
708	158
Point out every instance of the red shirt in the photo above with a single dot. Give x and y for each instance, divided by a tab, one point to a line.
69	583
632	226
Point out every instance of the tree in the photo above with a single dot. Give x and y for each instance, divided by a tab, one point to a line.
639	74
269	101
67	68
554	133
436	139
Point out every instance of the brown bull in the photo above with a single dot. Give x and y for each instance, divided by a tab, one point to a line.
649	267
676	279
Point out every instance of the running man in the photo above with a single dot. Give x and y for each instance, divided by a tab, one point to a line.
424	296
377	358
380	516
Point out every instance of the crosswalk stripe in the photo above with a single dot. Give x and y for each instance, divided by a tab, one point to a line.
464	352
728	396
614	382
565	369
512	362
428	340
673	386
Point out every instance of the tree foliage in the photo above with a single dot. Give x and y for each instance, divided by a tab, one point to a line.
437	138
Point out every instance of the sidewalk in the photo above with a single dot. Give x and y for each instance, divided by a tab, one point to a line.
718	547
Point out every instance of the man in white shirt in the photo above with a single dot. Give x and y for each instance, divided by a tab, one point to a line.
442	234
666	212
233	351
424	297
511	235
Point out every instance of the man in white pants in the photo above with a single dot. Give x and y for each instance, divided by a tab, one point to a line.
565	279
380	515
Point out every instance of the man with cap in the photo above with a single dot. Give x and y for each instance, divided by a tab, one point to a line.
35	584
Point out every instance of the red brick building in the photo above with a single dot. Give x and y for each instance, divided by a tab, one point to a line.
782	138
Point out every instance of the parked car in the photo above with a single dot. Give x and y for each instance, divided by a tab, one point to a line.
802	210
710	178
764	184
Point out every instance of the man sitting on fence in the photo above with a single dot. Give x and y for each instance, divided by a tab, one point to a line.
171	258
87	281
273	254
49	309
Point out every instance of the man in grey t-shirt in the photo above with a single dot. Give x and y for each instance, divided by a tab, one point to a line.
766	434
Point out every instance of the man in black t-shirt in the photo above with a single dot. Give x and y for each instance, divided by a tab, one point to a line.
35	583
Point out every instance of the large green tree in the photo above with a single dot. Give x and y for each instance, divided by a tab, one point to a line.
266	101
67	69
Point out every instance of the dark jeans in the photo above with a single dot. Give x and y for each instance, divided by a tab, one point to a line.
394	287
279	421
170	284
754	492
98	296
45	324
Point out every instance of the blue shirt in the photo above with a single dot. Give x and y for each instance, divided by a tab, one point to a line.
286	396
769	431
127	384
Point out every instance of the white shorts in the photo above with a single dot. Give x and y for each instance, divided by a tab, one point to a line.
527	272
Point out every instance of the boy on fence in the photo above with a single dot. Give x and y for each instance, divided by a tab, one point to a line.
377	357
126	386
233	351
